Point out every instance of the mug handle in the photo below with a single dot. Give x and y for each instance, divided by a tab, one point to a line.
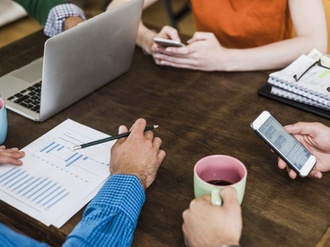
215	197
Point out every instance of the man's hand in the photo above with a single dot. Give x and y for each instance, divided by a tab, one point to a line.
139	154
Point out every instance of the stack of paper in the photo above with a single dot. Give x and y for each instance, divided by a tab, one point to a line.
55	181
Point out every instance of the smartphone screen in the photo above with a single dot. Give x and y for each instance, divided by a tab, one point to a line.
284	144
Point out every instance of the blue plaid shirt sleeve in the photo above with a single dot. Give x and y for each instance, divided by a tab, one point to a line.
109	220
58	14
111	217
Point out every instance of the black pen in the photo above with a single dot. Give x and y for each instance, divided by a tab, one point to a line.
85	145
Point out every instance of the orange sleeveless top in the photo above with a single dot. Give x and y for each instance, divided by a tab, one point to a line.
243	23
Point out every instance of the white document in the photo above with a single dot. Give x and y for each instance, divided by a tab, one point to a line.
56	181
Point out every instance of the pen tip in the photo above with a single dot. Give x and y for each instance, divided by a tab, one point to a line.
156	126
76	147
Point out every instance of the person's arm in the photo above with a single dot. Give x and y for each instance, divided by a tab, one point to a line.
111	217
10	238
204	52
207	225
55	15
63	17
316	138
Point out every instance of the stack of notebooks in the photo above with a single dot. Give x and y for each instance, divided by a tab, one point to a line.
305	83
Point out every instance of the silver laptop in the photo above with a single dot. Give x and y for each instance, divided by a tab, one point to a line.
75	63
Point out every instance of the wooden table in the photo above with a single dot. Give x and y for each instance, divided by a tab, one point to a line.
199	113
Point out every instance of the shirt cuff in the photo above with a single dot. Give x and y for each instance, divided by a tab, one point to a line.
121	191
58	14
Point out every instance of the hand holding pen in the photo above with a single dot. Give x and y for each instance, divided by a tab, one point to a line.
138	154
111	138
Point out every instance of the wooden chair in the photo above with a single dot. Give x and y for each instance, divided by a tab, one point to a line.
175	16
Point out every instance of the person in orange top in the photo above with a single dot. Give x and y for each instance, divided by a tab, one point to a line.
239	35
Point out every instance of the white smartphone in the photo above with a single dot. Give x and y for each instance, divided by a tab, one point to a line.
168	42
283	144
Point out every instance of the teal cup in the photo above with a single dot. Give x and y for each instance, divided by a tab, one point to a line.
3	121
216	172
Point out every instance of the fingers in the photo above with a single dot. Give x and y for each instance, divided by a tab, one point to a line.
138	127
122	129
303	128
157	142
315	174
199	36
10	160
169	32
205	199
11	156
292	173
281	164
149	135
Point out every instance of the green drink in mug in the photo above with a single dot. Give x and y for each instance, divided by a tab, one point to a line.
215	172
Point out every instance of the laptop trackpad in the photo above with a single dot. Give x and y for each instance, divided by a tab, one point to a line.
31	72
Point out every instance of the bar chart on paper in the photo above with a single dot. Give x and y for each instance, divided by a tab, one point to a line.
54	176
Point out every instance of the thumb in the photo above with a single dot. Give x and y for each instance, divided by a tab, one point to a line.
198	36
229	197
122	129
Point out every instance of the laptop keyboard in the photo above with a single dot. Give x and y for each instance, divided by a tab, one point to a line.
29	97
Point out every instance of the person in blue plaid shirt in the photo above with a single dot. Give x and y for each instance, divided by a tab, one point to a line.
110	218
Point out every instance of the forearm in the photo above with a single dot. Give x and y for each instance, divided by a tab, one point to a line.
63	17
145	37
10	238
272	56
309	34
111	217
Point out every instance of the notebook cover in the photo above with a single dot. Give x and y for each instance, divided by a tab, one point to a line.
265	91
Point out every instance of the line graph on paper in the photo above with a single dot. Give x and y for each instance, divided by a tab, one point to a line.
53	174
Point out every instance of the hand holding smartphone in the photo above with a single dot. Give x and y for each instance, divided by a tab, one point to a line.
168	42
283	144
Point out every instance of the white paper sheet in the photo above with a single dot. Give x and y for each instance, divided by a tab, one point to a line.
55	181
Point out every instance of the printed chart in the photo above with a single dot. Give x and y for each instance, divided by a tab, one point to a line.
56	181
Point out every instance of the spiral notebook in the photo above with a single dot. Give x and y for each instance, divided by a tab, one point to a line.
266	91
305	80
